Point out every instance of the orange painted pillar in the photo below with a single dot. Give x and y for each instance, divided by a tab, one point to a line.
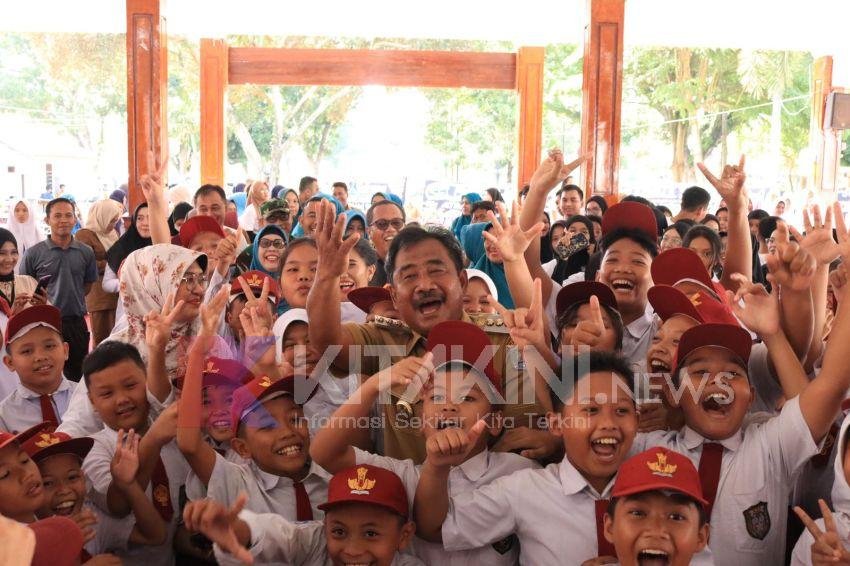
825	142
529	85
214	80
147	78
601	95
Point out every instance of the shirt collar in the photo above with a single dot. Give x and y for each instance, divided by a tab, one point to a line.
269	481
26	393
474	468
74	243
639	326
692	440
572	482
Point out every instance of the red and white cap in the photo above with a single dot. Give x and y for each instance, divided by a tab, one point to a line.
367	484
659	469
195	225
700	306
459	341
364	298
678	266
728	336
33	317
45	444
581	292
631	215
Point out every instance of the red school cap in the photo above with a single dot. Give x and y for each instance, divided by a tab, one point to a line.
668	301
195	225
365	298
250	396
367	484
464	342
45	444
728	336
658	469
32	317
678	265
221	371
7	438
581	292
255	280
58	542
630	215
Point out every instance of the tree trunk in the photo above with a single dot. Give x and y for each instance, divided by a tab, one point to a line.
679	157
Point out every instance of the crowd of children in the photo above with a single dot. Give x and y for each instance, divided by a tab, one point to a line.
323	386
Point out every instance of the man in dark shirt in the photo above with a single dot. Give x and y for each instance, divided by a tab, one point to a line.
72	268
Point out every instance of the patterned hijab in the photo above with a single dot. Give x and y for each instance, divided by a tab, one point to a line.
101	220
147	277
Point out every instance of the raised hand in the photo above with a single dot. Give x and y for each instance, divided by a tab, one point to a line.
410	373
588	333
509	238
333	250
226	251
527	327
818	239
760	310
827	547
164	428
730	185
218	523
791	266
838	281
451	446
553	170
260	303
158	324
153	182
125	461
259	340
841	231
210	312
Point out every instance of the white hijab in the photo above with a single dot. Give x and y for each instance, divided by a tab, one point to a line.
27	233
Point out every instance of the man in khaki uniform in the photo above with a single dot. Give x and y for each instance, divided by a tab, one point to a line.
427	281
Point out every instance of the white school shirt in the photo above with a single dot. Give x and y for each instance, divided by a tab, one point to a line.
552	511
478	471
267	493
195	489
96	467
111	536
756	476
81	419
840	505
22	408
274	540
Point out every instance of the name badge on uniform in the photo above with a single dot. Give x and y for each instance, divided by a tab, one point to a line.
505	545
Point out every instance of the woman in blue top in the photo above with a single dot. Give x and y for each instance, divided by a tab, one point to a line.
465	217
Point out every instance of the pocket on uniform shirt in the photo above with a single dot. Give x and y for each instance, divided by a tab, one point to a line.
756	520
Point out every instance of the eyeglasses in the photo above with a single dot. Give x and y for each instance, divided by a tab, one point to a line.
267	243
671	241
382	224
192	279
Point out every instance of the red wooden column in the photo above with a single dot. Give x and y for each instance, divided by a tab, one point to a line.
147	76
214	80
602	94
825	142
529	86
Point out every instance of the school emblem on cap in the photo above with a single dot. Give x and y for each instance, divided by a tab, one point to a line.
696	299
47	439
160	495
254	281
361	485
211	368
660	467
757	519
265	381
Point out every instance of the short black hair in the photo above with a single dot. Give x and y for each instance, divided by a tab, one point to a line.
370	214
340	184
694	198
721	209
594	262
365	250
565	188
768	225
570	318
58	200
495	194
681	227
305	182
412	235
709	218
639	199
575	368
297	242
664	210
679	498
757	214
205	190
108	354
637	236
483	205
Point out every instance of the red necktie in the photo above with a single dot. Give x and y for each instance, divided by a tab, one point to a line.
709	472
160	493
605	547
303	510
48	413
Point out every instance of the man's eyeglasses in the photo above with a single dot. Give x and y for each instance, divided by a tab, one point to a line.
383	224
267	243
192	279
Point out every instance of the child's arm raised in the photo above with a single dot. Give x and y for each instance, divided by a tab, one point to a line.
199	454
512	242
445	449
157	334
332	446
149	529
221	525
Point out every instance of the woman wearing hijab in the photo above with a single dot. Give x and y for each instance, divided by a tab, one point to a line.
178	217
23	225
100	235
267	250
16	291
466	202
137	236
257	194
561	233
355	221
291	198
491	264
